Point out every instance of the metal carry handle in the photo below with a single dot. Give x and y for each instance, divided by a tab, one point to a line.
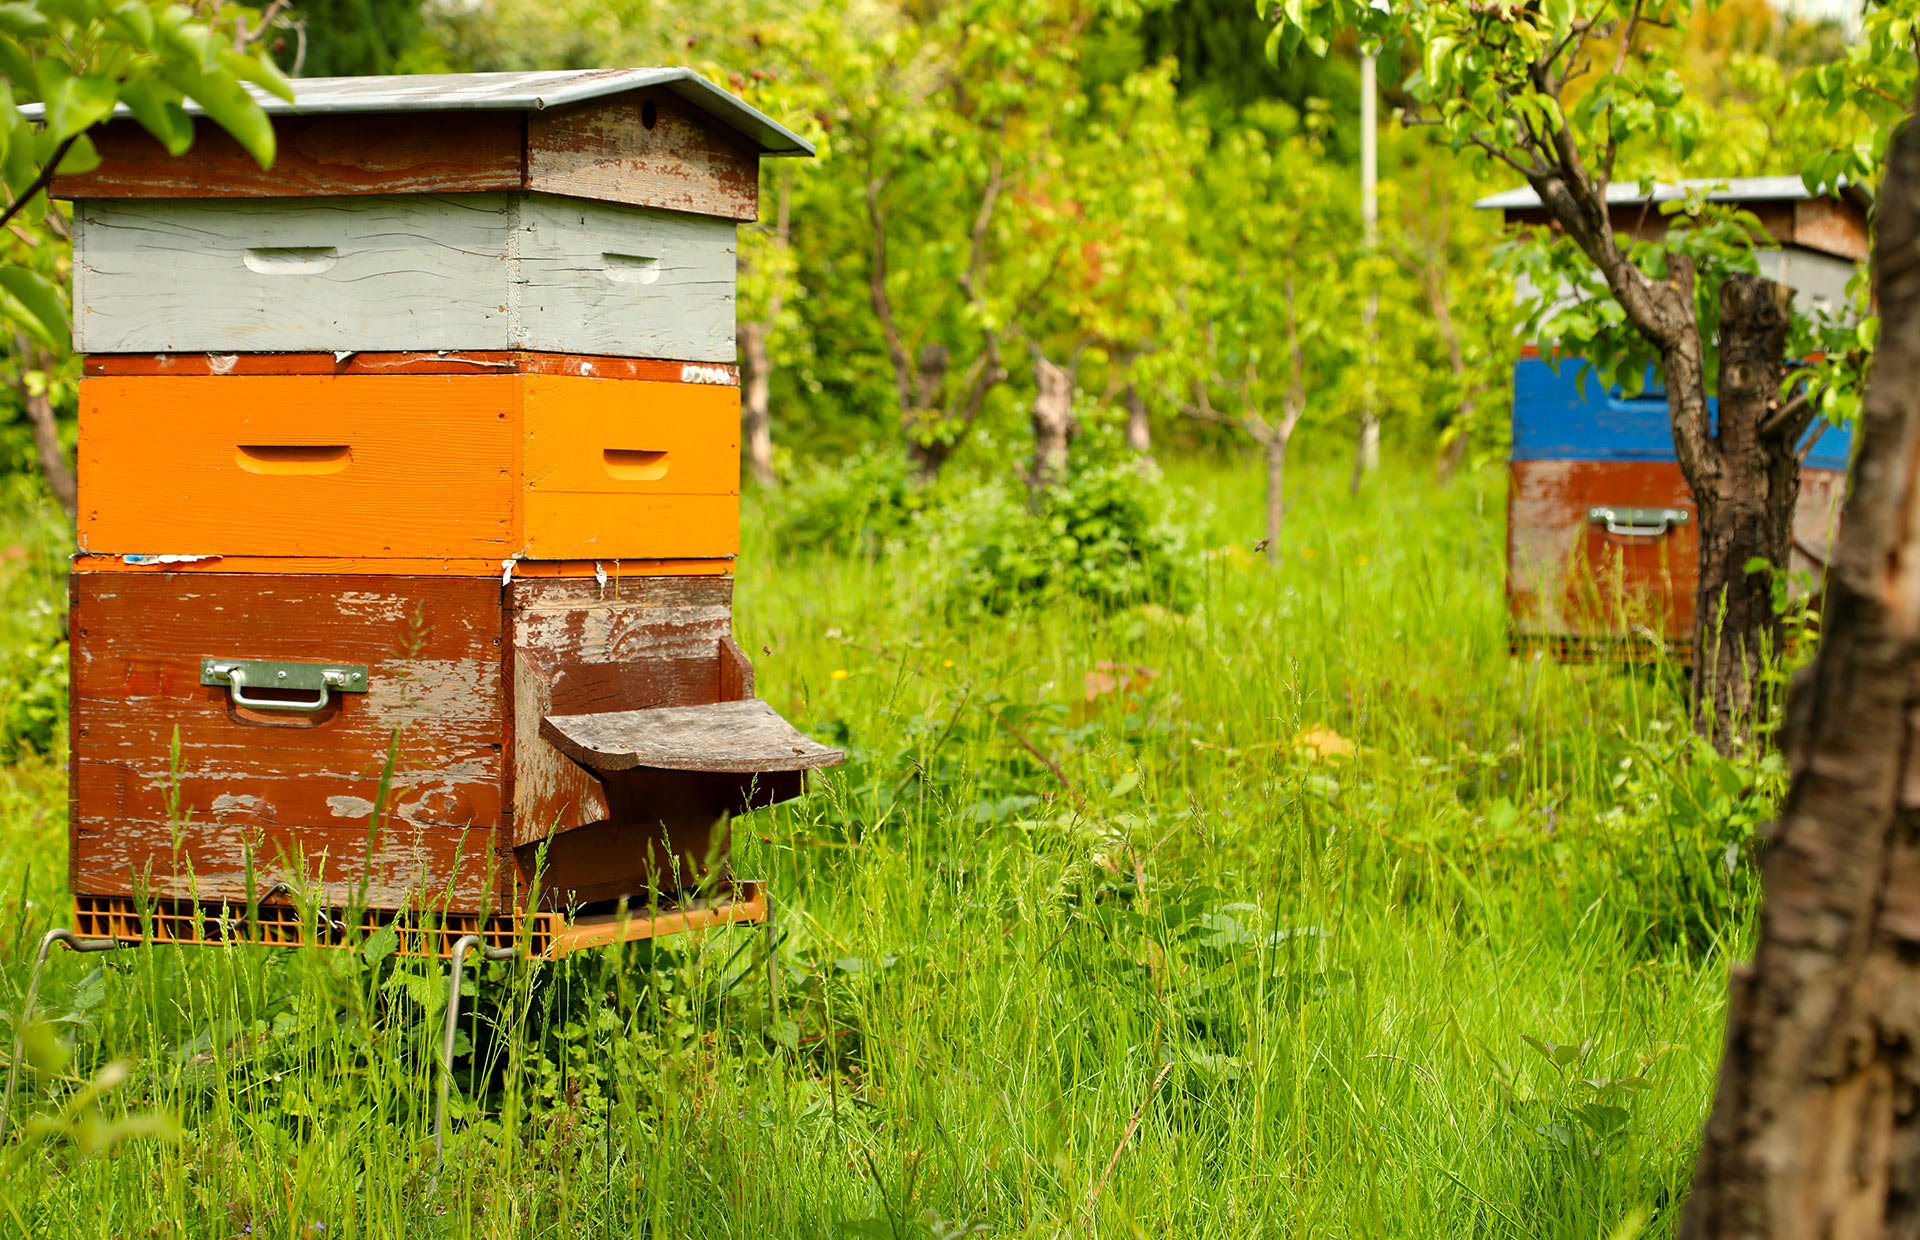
237	689
1638	522
323	680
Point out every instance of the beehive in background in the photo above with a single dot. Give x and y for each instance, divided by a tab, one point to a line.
1602	550
409	481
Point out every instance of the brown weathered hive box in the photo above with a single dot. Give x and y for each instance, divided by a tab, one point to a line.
409	496
1602	552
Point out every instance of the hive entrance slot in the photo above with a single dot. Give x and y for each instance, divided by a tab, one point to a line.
631	268
291	260
304	458
635	464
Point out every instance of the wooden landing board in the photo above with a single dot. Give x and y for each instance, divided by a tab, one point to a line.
606	150
415	273
744	737
483	467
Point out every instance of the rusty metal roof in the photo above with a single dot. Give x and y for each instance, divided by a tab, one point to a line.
516	92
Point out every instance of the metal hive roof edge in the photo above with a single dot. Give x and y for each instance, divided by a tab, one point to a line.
1719	189
512	92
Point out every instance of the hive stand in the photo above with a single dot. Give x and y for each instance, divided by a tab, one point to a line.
409	476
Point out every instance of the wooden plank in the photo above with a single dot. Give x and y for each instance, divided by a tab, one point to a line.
747	904
595	278
421	272
287	782
611	438
736	672
418	467
579	525
681	161
741	737
578	646
617	570
1568	577
1831	227
408	465
403	153
453	363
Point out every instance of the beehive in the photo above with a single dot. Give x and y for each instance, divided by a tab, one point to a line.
1602	547
409	481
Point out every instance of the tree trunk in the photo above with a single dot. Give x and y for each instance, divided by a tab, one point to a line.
1366	449
1139	430
1815	1129
1746	514
756	420
1052	422
927	443
46	425
1276	446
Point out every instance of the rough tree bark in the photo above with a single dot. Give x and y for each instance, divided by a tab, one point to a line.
1052	422
46	426
1746	514
1815	1129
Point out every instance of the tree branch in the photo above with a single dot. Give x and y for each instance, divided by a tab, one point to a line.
40	181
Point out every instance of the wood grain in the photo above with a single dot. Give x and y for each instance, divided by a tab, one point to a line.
742	737
605	150
602	150
416	273
580	647
1567	577
281	783
594	278
405	153
480	467
165	466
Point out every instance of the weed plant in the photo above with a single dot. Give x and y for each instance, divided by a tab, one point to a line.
1300	909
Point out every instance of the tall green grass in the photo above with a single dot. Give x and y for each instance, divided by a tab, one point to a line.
1360	926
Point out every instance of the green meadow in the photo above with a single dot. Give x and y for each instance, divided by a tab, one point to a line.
1298	907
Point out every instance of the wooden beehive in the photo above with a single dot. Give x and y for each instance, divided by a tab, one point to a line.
409	498
1602	549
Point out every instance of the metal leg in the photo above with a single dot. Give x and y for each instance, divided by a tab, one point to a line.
74	943
461	947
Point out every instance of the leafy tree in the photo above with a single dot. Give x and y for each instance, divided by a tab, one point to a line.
338	38
1273	289
1562	92
79	58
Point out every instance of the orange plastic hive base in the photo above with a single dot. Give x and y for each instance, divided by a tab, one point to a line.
538	935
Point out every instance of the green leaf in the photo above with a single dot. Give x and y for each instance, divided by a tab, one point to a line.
38	306
23	21
134	20
158	110
235	111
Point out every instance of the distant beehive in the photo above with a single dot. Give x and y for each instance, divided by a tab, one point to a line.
413	462
1602	548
